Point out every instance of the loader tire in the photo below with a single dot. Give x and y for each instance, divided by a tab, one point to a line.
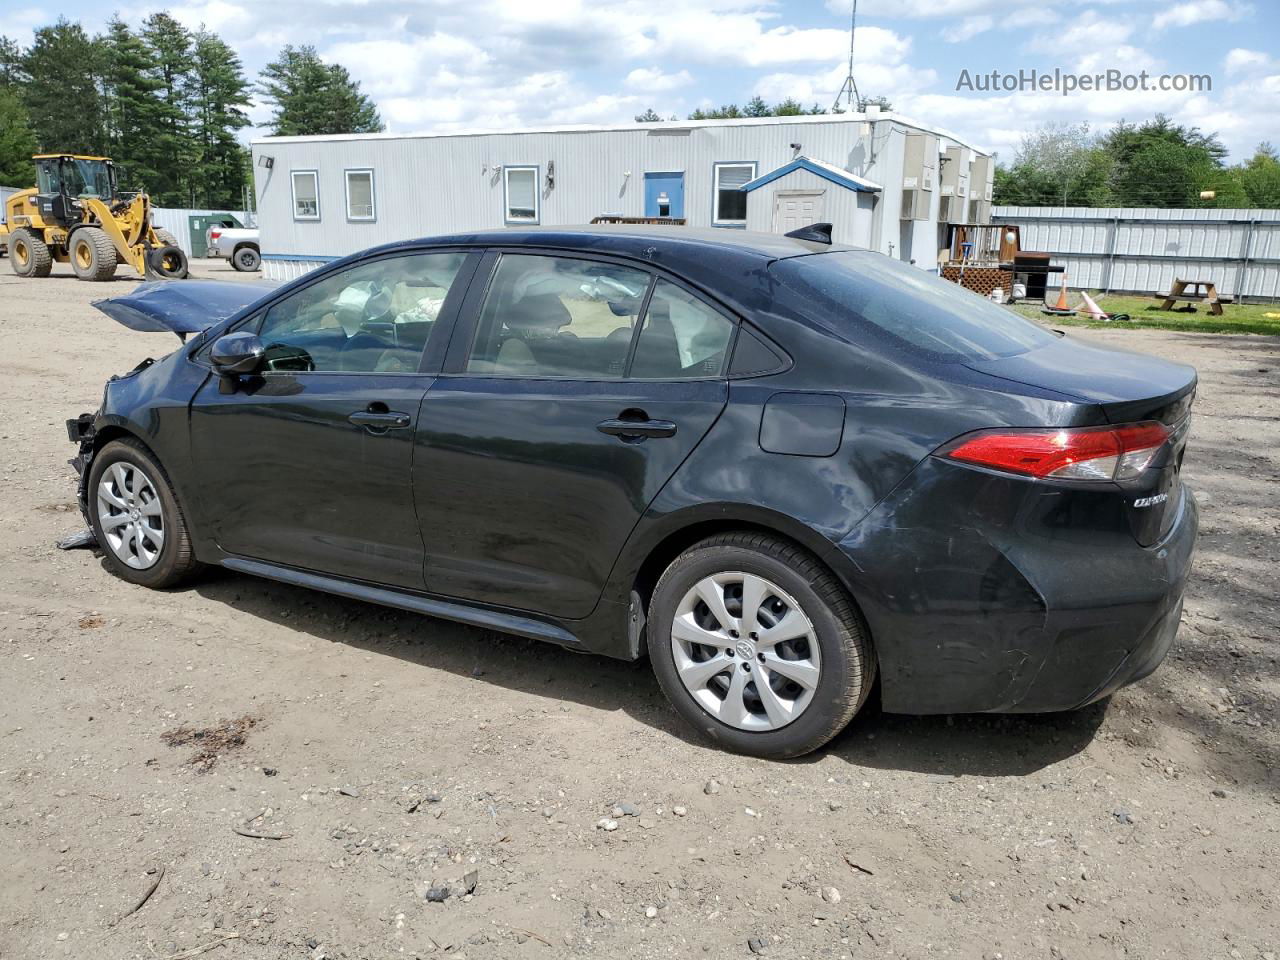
93	255
29	255
168	262
166	238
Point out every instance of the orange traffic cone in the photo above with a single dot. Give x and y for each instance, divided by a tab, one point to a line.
1059	309
1062	296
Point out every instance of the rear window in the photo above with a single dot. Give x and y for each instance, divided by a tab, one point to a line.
915	310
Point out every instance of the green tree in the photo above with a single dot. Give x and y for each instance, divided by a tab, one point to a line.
169	44
311	97
728	111
649	116
11	63
17	142
1260	177
62	93
1058	164
756	107
220	97
791	107
1160	163
134	109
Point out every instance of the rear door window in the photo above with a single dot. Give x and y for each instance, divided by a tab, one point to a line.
558	317
682	337
872	295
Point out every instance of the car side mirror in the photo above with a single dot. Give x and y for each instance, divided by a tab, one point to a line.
237	353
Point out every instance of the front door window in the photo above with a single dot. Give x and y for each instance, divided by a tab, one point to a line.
371	318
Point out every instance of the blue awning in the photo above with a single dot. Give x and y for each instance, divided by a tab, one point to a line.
828	171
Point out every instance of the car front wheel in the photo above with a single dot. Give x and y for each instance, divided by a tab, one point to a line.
758	646
136	517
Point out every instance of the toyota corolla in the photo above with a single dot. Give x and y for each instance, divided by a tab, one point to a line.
785	471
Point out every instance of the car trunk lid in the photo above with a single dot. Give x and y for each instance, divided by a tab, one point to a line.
1125	387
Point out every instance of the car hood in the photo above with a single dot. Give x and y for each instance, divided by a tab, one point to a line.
182	306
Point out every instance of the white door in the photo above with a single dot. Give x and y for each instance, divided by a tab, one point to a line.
793	209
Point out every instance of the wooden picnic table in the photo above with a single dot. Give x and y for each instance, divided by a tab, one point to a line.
1203	291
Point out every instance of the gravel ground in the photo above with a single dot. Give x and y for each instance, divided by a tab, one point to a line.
402	757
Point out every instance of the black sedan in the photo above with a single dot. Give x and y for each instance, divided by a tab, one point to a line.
780	468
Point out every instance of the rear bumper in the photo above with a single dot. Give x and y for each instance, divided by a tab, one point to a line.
994	609
213	251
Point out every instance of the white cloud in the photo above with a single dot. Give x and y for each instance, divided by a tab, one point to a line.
968	28
1246	61
1200	11
654	80
1089	33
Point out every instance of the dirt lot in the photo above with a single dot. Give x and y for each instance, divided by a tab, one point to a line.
399	754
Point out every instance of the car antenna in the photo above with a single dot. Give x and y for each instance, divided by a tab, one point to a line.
816	232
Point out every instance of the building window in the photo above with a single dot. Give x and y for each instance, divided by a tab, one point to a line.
731	199
520	189
360	195
306	195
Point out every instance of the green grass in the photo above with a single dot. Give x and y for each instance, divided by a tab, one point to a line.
1236	318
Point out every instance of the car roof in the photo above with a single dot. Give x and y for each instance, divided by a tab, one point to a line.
643	241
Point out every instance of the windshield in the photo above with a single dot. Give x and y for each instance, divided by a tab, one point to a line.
76	177
915	310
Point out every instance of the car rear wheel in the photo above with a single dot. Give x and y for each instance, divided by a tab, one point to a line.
136	517
758	646
246	259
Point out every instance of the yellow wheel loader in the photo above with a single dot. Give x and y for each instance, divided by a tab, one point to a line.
76	214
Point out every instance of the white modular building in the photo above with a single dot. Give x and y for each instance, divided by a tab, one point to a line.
884	182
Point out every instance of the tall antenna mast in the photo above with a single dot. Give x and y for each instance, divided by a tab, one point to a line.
849	92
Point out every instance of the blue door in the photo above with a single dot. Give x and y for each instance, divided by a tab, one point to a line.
664	194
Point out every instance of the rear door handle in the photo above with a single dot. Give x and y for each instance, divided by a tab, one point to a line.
637	429
379	421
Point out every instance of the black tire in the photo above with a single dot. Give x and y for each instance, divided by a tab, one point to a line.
246	259
29	255
93	255
166	238
175	560
168	262
847	660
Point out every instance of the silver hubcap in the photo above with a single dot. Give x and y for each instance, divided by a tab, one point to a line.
745	651
130	514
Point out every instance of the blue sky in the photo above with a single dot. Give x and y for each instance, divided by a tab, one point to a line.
435	65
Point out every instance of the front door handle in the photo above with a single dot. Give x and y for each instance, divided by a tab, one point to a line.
633	430
380	420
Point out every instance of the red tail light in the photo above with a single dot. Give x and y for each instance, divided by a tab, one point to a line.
1072	453
214	234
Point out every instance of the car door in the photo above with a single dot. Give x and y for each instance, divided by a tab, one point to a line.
571	395
308	463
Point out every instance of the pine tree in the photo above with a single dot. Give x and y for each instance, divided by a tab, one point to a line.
17	142
169	44
134	107
220	94
11	63
311	97
61	93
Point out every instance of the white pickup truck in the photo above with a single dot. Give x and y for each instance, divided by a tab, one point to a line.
238	244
